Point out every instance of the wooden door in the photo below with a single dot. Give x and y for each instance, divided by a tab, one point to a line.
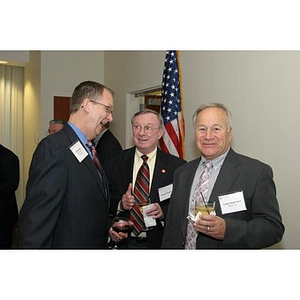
62	108
153	102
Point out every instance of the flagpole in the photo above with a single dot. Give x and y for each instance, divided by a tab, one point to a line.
182	122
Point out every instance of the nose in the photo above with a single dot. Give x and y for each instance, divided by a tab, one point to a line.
110	117
142	130
209	134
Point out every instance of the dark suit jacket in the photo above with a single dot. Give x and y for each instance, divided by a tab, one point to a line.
258	227
107	145
9	182
65	206
119	172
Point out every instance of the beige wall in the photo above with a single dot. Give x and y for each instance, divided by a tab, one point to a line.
49	74
127	72
32	112
61	71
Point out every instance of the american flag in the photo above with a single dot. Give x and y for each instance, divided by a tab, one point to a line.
172	140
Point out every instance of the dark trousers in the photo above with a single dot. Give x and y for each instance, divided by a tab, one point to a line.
8	218
6	237
137	243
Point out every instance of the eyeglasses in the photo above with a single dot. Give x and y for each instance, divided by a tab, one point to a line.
147	129
107	108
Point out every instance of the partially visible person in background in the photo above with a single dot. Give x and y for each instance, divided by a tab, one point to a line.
106	143
9	182
55	125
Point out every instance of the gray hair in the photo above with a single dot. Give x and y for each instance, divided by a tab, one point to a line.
57	121
216	105
147	111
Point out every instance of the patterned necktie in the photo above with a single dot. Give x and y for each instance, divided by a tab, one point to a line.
98	165
141	195
201	191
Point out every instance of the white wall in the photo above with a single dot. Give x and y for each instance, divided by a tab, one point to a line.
61	72
262	89
127	72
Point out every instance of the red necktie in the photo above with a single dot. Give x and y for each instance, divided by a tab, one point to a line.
141	194
98	165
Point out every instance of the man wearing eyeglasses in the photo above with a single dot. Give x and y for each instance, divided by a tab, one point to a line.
67	198
122	172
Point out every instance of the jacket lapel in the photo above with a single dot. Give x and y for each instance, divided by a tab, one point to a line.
226	178
88	162
187	178
159	175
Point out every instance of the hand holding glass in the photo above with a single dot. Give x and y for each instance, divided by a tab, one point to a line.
205	208
121	225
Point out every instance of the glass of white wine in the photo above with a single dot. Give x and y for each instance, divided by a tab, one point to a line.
205	208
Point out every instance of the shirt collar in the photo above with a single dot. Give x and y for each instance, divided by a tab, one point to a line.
80	135
150	155
218	161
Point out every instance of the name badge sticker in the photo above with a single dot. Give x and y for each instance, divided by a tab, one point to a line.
233	202
79	151
165	192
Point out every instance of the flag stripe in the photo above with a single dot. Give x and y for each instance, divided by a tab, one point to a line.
171	140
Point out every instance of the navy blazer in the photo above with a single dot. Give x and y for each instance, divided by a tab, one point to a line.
119	169
9	182
66	205
258	227
107	145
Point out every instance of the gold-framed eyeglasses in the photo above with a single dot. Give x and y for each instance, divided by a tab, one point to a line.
107	108
147	129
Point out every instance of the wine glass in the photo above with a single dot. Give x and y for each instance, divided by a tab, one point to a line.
120	224
205	208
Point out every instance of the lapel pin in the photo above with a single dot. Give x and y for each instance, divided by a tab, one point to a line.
163	171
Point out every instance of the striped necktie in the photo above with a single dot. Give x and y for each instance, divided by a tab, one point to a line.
98	165
200	190
141	194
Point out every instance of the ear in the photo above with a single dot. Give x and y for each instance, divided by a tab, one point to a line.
230	134
86	104
161	131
